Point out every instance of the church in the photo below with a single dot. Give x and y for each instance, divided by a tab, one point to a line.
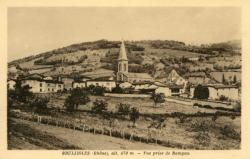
123	74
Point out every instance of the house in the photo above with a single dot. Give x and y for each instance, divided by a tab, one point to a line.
41	84
79	84
123	75
107	84
11	84
68	82
216	91
169	89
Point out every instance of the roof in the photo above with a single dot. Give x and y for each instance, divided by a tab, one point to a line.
142	82
122	53
196	74
221	86
138	75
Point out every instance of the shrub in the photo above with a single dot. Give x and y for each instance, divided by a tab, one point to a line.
200	126
203	139
237	106
99	106
39	104
228	132
98	91
223	98
123	109
117	89
134	115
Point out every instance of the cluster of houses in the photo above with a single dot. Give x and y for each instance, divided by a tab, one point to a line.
172	85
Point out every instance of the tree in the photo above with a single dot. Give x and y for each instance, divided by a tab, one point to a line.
76	98
39	105
223	79
134	115
21	93
235	79
99	91
157	98
201	92
99	106
123	109
117	89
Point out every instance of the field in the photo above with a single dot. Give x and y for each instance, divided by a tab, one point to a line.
220	133
50	137
144	105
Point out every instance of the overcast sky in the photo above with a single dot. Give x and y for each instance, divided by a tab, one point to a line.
35	30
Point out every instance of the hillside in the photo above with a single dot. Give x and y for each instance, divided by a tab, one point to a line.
144	56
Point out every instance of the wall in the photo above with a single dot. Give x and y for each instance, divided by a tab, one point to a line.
109	85
127	95
165	90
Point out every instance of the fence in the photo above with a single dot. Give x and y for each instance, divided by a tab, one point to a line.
80	126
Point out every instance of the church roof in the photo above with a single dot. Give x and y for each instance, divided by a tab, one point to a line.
122	53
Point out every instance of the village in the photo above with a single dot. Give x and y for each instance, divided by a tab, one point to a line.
202	107
172	84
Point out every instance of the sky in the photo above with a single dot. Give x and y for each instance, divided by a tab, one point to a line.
35	30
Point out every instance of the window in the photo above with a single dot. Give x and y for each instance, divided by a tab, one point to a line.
48	85
48	89
59	86
120	67
52	89
41	90
41	84
124	67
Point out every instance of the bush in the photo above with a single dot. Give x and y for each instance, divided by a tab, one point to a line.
117	89
134	115
123	109
237	107
228	132
99	91
203	139
39	105
99	106
223	98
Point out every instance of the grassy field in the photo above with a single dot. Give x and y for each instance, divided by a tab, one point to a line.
221	133
144	105
50	137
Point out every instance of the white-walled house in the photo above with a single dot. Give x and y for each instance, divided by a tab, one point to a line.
107	84
231	92
41	84
216	91
79	84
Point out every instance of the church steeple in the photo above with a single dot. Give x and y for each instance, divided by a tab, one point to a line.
122	54
122	63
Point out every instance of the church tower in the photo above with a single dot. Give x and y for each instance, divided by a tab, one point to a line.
122	64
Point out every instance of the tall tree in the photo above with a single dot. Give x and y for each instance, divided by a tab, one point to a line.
157	98
76	98
134	115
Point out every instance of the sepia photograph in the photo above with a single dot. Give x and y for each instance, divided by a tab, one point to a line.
124	78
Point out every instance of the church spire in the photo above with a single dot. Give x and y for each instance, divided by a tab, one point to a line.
122	54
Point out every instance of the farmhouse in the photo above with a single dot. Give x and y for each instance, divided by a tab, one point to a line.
199	78
41	84
107	84
123	75
216	91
